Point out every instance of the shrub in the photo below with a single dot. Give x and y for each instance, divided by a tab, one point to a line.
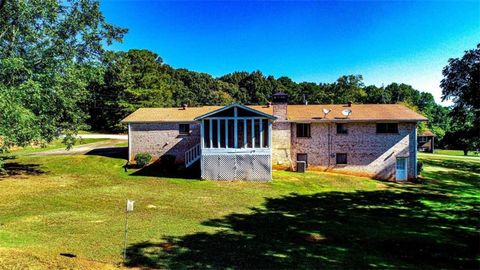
419	167
143	159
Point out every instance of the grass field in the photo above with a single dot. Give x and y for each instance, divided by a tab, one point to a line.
455	152
74	205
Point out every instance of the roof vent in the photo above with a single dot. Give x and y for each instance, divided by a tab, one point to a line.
325	112
346	112
184	106
349	104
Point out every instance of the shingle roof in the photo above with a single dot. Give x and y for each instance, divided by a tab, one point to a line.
427	133
296	113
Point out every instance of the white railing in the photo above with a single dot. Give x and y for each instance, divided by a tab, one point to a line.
192	155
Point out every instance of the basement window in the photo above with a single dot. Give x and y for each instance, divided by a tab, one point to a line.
303	130
184	129
387	128
341	158
342	128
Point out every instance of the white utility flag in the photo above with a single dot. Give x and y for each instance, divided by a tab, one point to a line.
130	205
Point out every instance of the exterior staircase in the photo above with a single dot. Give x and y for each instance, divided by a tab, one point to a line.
192	155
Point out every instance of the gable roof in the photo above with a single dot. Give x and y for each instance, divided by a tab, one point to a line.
427	133
235	105
295	113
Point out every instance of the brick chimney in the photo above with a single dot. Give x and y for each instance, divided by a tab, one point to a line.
280	104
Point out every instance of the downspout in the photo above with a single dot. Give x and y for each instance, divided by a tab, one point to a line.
129	143
415	155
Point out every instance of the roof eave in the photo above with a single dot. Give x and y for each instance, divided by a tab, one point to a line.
266	115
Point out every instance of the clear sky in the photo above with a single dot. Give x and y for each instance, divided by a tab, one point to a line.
318	41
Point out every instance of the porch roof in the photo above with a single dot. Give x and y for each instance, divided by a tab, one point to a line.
240	106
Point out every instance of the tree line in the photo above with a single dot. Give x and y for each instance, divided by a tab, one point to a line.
139	78
56	78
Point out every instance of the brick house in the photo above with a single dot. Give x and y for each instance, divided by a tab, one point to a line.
238	142
426	141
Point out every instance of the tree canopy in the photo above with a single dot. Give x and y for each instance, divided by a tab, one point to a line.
48	49
461	84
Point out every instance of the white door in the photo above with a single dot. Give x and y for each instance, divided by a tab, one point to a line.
401	169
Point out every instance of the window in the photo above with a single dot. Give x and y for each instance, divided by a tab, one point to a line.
342	129
341	158
303	130
387	128
422	139
184	129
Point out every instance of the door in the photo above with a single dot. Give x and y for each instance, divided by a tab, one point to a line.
401	169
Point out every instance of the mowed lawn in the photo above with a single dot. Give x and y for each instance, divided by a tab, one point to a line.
74	205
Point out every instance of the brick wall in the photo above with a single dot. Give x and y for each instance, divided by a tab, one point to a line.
162	138
368	153
281	145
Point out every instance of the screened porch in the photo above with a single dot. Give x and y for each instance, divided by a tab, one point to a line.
235	144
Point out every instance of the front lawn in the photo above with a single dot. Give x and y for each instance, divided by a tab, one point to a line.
74	205
455	153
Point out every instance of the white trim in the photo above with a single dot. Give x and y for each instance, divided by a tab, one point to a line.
226	134
218	135
202	134
245	143
253	133
261	132
415	157
235	105
129	143
210	131
235	128
216	151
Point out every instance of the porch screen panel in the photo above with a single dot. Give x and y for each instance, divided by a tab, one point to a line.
249	133
206	133
222	134
214	133
240	127
257	133
265	133
231	129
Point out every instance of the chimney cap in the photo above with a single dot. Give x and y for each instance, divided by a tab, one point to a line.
280	97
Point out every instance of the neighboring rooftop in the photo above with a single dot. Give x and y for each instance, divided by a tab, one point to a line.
427	133
296	113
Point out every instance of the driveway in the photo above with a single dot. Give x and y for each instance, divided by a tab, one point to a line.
103	136
107	145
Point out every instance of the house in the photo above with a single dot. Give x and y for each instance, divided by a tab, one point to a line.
238	142
426	141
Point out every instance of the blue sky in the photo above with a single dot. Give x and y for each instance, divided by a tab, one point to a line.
385	41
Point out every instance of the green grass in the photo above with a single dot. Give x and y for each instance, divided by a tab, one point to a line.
455	152
75	204
56	144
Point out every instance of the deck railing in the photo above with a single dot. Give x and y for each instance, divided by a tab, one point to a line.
192	155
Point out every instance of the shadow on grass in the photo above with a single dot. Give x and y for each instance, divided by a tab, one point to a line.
157	169
111	152
412	226
463	165
21	169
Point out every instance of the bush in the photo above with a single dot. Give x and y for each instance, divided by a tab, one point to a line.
143	159
419	167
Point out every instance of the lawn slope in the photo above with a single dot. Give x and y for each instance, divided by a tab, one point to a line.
75	205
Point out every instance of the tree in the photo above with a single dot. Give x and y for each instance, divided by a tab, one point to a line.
349	88
461	84
46	49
